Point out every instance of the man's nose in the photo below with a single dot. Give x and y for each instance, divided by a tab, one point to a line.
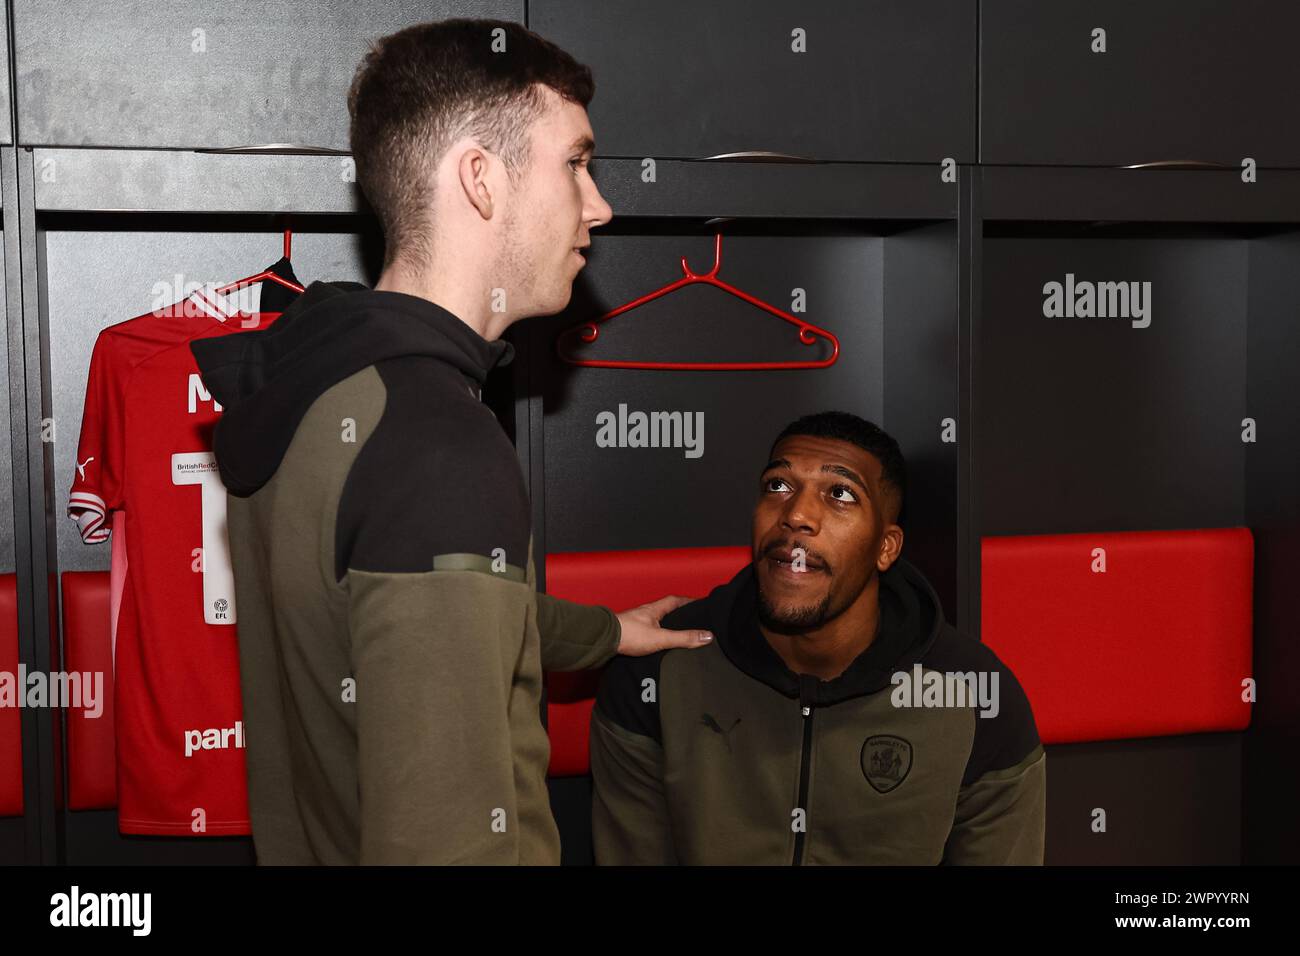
598	211
802	512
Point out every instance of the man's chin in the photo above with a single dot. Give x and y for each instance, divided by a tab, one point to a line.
789	619
559	300
551	306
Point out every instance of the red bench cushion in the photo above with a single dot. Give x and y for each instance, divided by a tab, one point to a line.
1158	644
619	580
87	647
11	725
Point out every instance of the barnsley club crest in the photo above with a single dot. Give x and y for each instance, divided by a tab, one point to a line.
886	761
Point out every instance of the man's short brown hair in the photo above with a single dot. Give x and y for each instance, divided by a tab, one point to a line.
421	89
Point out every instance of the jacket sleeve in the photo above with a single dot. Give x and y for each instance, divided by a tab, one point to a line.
433	654
575	636
629	818
1001	817
1001	813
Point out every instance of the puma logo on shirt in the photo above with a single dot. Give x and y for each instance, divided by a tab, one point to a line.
709	721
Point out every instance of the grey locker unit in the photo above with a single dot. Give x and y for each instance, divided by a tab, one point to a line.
879	81
874	253
112	231
196	74
6	101
1201	80
1091	424
100	227
14	835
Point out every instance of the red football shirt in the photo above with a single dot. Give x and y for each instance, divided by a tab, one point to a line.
146	451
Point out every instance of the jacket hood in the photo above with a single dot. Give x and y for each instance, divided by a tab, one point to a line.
911	619
267	379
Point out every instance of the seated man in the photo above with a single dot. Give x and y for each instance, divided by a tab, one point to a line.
836	718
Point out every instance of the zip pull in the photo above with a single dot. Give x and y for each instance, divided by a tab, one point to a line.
807	693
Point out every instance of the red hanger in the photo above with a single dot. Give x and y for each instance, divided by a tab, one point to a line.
268	274
808	333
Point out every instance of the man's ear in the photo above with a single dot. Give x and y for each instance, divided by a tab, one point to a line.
472	170
891	547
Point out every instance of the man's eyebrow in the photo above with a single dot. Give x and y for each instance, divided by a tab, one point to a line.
848	473
775	463
584	144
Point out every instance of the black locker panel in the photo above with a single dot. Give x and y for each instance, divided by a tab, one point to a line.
878	81
1272	781
920	369
198	74
1087	424
1168	801
571	806
92	839
1206	80
1271	785
624	497
9	362
13	841
1272	357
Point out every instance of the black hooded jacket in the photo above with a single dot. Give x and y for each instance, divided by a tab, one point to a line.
923	751
267	379
391	639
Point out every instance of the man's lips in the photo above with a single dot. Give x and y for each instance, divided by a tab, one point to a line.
783	574
784	558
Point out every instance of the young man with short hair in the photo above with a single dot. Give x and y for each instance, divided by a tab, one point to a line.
836	718
391	639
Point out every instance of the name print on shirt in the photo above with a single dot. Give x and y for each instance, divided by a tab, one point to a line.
214	738
196	392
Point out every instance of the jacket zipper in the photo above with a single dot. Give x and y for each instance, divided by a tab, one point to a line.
805	760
